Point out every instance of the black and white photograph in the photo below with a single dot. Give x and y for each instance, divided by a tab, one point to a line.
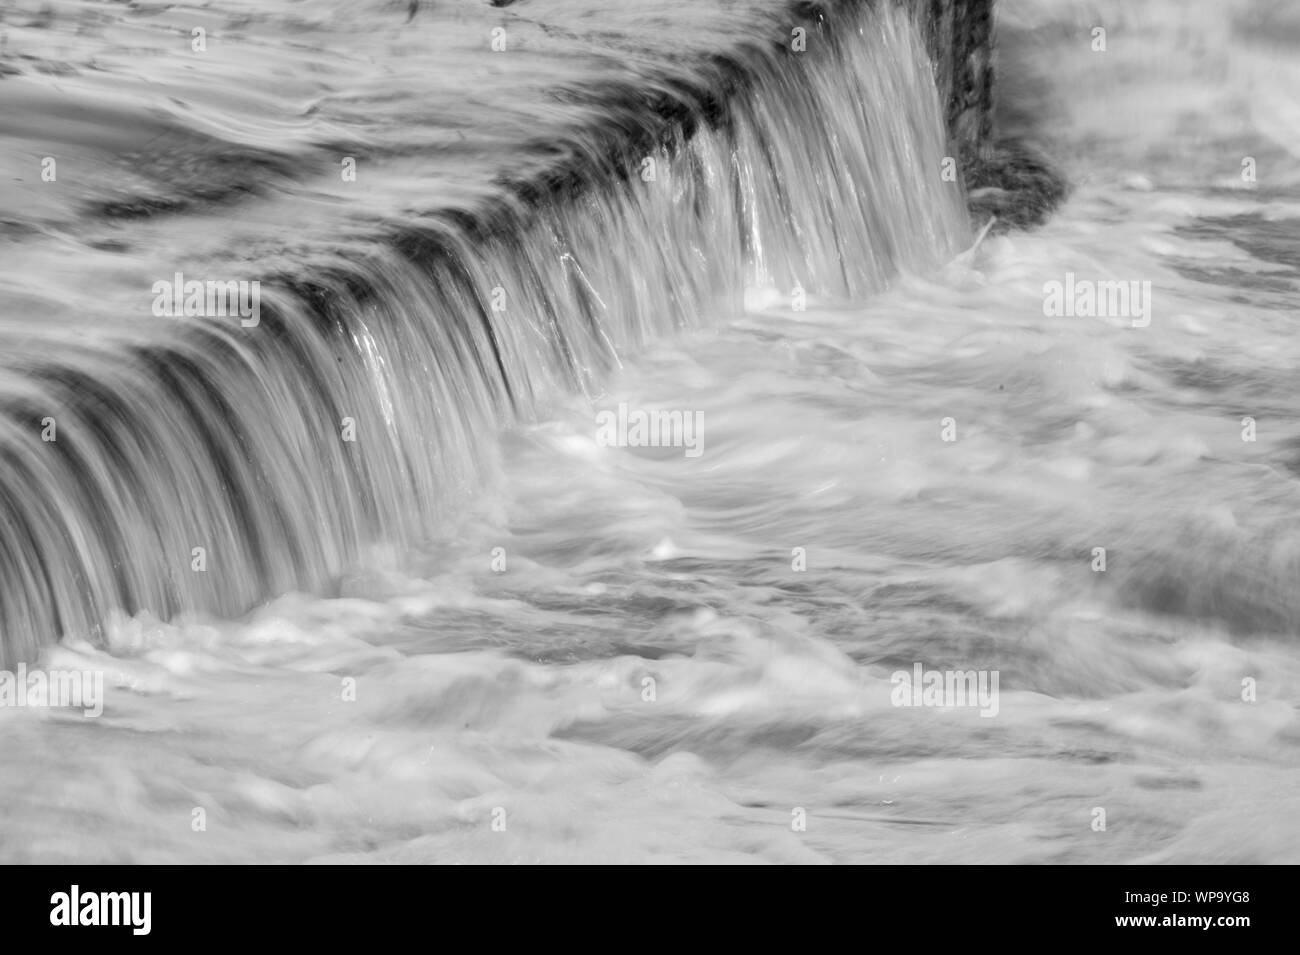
630	432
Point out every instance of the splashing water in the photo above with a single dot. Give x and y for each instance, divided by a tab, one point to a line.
629	653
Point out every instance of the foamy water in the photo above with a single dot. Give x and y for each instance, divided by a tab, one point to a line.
631	654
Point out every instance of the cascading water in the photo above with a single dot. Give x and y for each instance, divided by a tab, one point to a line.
202	465
481	631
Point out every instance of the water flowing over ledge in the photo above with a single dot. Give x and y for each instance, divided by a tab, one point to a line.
205	465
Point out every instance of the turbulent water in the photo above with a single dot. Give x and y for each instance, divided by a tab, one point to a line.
541	648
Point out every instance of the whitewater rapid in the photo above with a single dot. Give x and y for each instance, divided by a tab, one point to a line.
613	654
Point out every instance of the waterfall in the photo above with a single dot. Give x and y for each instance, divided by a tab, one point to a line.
215	464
